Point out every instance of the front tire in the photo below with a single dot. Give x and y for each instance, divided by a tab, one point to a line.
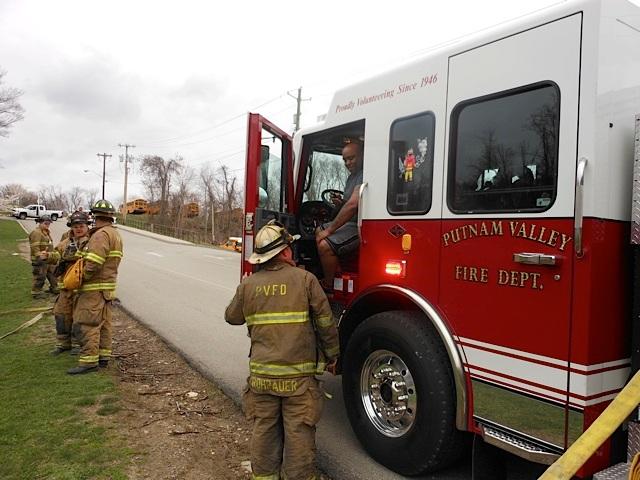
399	393
22	216
54	217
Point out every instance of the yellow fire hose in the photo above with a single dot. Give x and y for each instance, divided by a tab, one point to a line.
617	412
25	310
28	323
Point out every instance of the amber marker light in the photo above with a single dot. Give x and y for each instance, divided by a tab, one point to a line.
406	243
396	268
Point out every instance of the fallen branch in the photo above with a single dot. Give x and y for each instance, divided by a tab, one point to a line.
154	392
179	432
152	421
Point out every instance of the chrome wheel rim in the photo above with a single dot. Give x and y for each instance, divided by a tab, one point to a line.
388	393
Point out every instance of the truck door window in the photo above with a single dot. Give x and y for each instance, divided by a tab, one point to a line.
271	175
411	164
504	151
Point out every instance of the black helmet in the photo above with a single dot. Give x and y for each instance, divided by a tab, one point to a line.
44	218
78	217
103	208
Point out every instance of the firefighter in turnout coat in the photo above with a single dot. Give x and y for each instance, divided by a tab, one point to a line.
43	258
93	305
293	339
70	249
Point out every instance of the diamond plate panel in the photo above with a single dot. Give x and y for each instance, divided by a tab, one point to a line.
635	204
633	437
617	472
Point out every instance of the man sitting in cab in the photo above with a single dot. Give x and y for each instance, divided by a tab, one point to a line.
340	237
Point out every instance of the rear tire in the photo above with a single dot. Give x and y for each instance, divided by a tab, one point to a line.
22	216
399	393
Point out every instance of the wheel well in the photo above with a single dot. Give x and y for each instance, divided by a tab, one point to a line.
367	305
391	297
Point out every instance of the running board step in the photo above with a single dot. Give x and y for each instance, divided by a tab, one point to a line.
518	445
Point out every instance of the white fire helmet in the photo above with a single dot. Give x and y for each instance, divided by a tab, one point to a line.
270	241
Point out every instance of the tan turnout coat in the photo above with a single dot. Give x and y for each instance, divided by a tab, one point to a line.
293	333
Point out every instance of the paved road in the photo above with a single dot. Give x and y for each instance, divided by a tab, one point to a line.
180	291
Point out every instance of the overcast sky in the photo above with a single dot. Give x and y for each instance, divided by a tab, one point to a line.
177	77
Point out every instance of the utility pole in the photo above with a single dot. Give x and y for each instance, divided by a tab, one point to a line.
104	165
299	100
126	176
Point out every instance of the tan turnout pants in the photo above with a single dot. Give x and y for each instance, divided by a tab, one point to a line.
92	326
63	314
42	272
283	435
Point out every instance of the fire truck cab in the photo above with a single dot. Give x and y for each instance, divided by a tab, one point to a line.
491	290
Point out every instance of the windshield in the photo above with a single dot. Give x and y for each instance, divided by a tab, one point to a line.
327	172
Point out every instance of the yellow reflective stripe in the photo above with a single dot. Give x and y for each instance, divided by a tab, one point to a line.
277	318
324	321
94	258
115	253
270	476
88	359
90	287
279	370
61	285
104	352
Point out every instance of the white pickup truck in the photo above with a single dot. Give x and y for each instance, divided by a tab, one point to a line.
36	211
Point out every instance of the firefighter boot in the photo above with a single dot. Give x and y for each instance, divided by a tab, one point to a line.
58	350
103	363
75	350
80	369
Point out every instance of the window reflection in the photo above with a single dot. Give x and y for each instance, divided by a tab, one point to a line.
504	151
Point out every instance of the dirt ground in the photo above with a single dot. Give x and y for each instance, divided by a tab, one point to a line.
180	425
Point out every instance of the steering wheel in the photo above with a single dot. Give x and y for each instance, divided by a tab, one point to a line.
325	196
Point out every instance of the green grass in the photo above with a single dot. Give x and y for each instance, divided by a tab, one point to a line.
45	429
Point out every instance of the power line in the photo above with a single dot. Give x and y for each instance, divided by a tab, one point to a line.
217	125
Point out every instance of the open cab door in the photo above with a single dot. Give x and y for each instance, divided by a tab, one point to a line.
268	182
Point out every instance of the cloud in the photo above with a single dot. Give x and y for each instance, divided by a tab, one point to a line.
91	88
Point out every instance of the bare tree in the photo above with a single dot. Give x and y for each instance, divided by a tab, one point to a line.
230	195
157	174
182	195
10	109
53	197
75	197
92	195
18	194
210	198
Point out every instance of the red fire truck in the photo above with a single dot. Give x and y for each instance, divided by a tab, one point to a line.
491	293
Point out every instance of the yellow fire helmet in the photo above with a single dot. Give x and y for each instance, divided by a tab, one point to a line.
270	241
